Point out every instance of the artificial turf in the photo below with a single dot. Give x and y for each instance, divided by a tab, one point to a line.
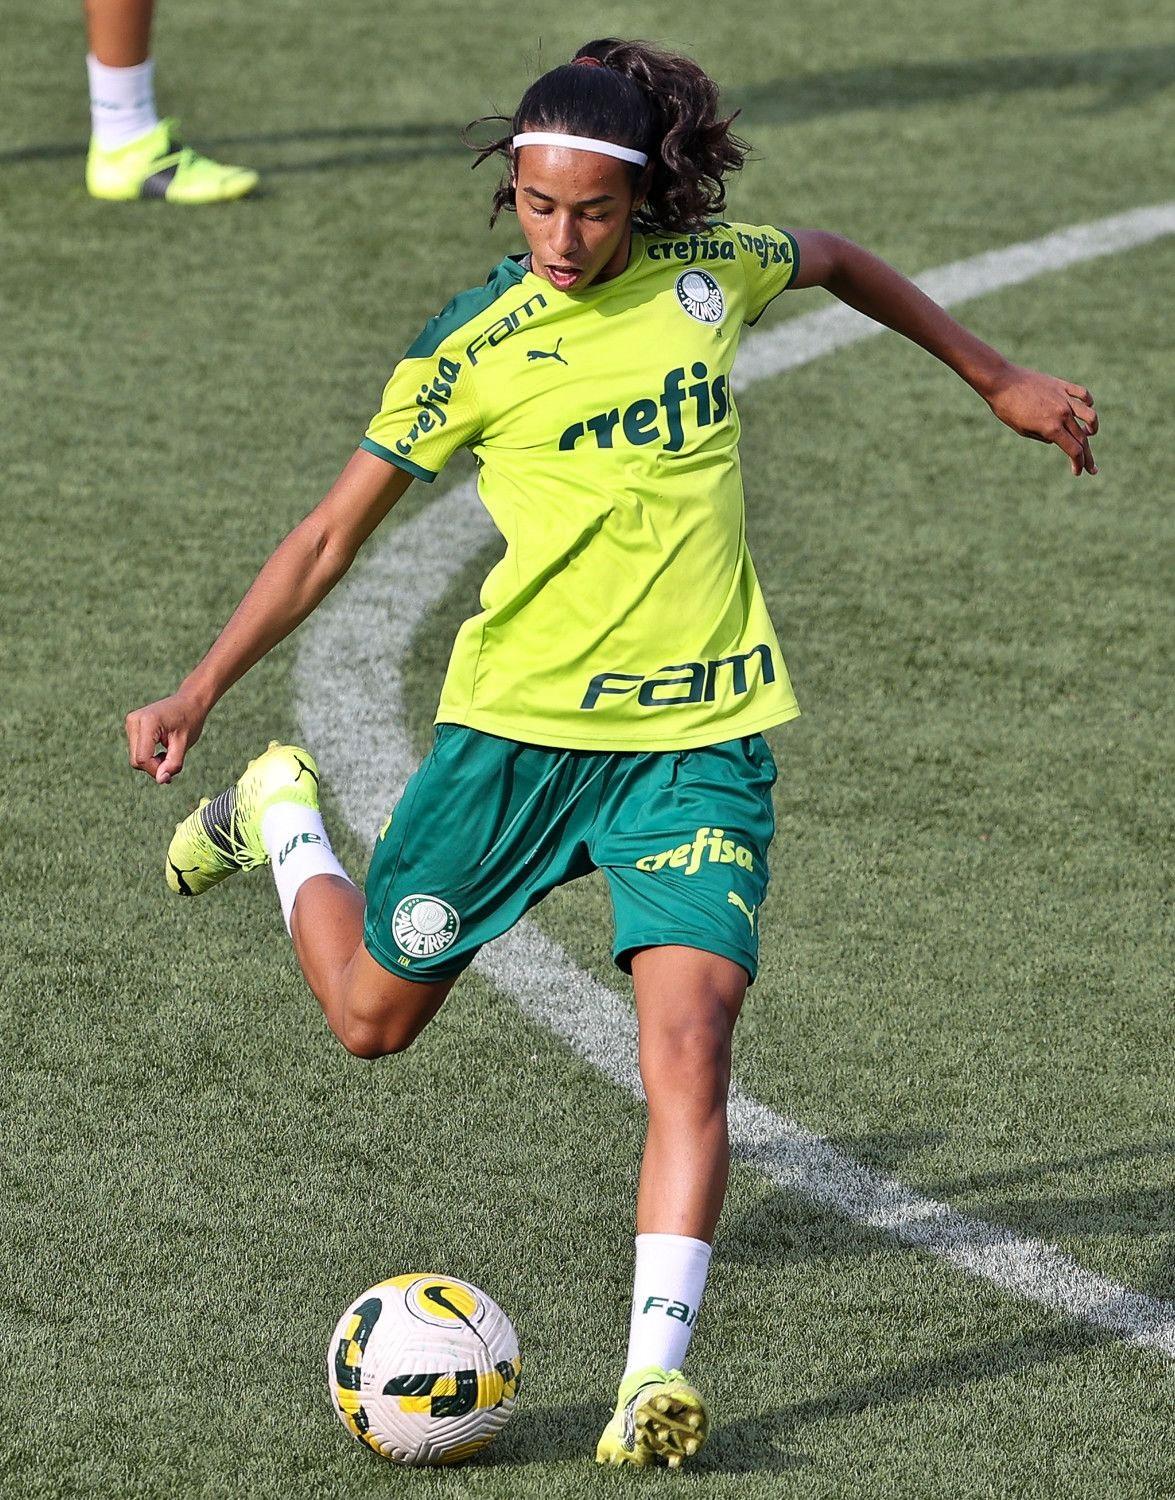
963	979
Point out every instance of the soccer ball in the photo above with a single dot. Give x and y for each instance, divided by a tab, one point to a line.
424	1369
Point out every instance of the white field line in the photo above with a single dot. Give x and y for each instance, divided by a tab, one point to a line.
350	691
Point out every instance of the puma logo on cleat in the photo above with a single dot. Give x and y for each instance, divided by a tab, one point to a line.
536	354
185	888
310	771
749	912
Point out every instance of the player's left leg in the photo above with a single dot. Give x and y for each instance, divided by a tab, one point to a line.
687	1003
682	839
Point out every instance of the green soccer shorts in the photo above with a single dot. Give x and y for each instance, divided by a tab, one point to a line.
487	826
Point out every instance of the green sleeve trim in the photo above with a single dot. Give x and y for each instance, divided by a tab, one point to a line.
369	445
464	307
795	271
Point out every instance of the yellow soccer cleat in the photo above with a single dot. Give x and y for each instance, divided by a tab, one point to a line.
659	1419
224	835
157	165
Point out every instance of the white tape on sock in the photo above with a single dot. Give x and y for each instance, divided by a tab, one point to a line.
298	849
666	1294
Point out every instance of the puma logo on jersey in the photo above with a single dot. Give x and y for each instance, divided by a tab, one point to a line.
640	423
536	354
748	911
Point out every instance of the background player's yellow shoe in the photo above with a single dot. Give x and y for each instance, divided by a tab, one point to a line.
158	165
224	835
659	1418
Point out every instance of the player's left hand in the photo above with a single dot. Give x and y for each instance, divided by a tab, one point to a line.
1050	410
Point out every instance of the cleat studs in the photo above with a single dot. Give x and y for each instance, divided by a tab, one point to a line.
691	1446
674	1460
694	1419
662	1403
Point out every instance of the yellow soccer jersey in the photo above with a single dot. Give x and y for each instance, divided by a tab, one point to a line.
625	614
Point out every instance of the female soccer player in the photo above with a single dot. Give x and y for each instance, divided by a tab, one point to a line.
606	707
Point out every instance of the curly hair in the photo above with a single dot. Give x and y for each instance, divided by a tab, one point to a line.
639	95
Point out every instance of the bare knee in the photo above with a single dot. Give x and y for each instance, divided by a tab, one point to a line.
370	1041
383	1014
689	1059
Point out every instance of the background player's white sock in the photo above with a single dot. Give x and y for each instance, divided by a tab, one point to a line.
666	1293
298	849
122	102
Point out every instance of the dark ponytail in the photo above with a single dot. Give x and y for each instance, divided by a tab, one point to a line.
635	94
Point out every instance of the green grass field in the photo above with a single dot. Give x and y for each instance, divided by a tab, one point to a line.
965	960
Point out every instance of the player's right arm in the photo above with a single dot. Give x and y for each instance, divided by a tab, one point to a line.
297	577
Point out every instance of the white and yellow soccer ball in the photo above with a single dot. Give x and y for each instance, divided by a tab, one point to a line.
424	1369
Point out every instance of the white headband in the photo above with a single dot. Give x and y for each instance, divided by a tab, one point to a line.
580	143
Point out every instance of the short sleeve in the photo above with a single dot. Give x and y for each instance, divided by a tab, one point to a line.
429	410
770	259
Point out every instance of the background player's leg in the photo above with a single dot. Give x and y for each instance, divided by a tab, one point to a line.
134	154
371	1011
120	31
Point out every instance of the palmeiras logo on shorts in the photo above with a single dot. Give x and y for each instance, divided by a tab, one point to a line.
424	926
701	296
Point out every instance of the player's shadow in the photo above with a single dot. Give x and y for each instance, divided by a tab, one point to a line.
350	146
1137	1212
548	1434
962	1370
785	1230
1125	76
565	1434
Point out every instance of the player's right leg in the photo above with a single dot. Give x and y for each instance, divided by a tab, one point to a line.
270	816
484	829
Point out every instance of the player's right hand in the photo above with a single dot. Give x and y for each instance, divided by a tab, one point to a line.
161	734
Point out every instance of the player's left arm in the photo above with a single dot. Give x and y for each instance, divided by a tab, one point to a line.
1029	402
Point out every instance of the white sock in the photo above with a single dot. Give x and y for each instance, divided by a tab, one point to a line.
298	849
122	102
666	1293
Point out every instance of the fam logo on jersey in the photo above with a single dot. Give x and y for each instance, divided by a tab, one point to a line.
686	682
701	296
424	926
491	337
